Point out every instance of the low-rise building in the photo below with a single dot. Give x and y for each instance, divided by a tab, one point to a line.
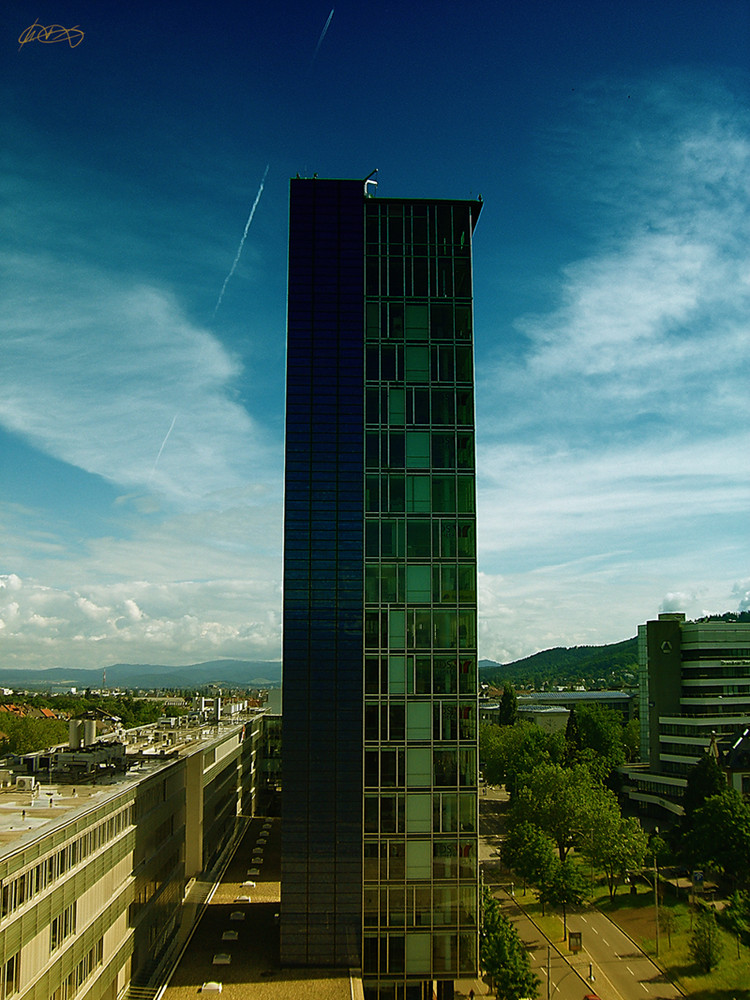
97	846
621	701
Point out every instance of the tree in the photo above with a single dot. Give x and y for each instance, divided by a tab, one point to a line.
528	851
705	779
720	835
26	734
667	922
736	916
631	740
595	737
556	799
572	737
564	885
503	956
706	946
507	752
659	848
508	710
612	841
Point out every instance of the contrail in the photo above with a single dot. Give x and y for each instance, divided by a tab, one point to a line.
166	436
242	241
322	36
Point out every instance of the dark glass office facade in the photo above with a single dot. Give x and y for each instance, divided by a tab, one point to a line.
379	865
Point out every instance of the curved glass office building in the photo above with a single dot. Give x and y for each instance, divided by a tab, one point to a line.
379	843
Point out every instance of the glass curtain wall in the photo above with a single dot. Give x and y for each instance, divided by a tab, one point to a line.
420	905
321	876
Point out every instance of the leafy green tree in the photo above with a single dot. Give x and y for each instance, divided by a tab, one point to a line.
706	946
631	740
736	914
720	835
27	734
508	710
705	779
667	922
564	885
572	736
595	738
528	851
508	752
613	842
557	800
503	956
659	848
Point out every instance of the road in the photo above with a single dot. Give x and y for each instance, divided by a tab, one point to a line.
621	971
620	967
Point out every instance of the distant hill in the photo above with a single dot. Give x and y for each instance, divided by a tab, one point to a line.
613	665
226	673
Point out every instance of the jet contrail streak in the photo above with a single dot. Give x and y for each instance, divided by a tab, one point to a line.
242	241
322	35
166	436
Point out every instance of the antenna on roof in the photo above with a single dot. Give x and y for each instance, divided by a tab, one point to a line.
369	180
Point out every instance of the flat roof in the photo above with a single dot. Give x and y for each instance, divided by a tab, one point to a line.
26	814
576	696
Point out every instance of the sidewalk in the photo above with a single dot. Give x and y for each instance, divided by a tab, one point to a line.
463	988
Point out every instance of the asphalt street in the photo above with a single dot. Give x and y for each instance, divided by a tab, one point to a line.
609	964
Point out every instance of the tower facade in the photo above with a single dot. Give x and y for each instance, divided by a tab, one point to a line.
694	680
380	745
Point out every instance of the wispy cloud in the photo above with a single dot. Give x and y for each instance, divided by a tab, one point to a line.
654	322
95	367
619	435
322	35
249	222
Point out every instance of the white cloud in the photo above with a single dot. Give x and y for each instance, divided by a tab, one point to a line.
741	592
676	602
653	324
139	621
613	451
96	370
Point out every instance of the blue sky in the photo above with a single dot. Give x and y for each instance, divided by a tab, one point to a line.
141	428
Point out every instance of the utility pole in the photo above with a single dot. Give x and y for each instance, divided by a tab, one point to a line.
656	903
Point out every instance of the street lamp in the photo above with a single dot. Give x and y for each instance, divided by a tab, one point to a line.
656	901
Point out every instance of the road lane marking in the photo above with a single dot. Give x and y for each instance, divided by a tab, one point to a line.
605	942
630	970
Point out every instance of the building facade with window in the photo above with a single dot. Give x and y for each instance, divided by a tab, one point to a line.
694	688
93	875
380	744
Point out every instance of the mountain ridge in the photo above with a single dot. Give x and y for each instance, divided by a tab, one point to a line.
609	663
226	672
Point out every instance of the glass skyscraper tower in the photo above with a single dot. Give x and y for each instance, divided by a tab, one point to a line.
379	807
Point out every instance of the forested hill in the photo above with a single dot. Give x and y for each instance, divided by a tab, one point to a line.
611	666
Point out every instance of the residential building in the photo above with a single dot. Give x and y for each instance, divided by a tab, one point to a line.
379	797
694	687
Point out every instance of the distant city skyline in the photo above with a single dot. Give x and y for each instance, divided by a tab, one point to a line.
142	375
